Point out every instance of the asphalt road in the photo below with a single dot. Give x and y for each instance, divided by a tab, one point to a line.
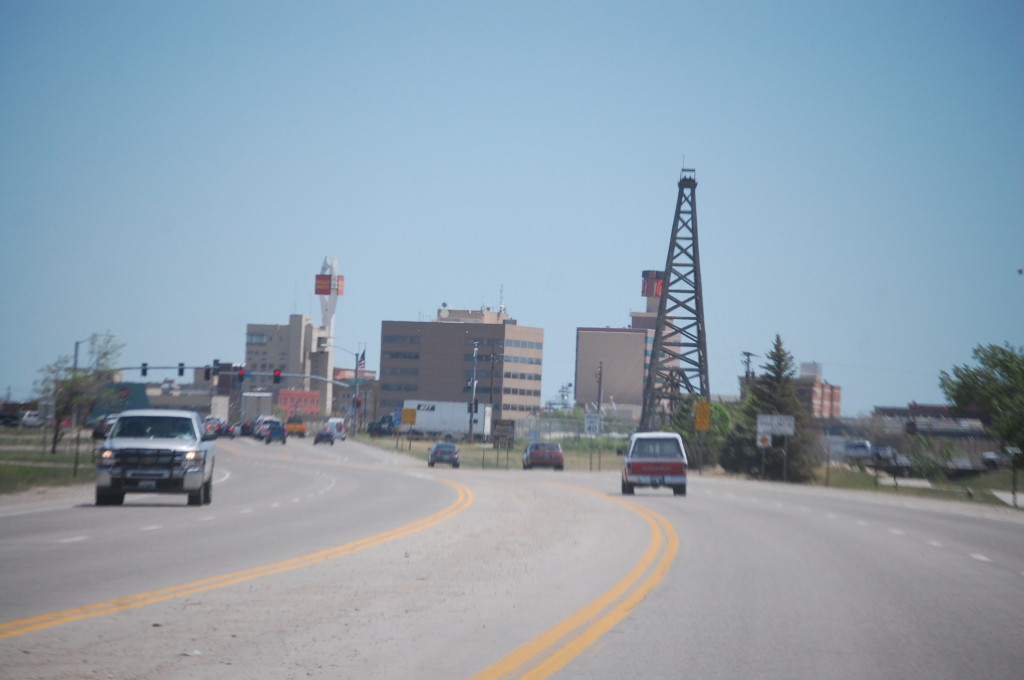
351	562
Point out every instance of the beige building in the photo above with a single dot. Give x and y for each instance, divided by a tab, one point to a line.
611	365
434	361
298	348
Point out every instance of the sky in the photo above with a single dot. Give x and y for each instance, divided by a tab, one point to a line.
171	171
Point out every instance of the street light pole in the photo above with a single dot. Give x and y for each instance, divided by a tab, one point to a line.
472	398
74	373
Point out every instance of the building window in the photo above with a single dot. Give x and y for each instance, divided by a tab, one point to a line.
256	338
401	339
400	355
405	370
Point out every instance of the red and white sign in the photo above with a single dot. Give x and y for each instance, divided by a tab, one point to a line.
327	284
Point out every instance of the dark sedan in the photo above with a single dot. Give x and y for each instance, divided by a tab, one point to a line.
444	452
324	436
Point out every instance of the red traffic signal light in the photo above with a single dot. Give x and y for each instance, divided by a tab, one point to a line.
277	375
241	375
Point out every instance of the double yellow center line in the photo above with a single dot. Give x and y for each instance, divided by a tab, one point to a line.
539	658
550	651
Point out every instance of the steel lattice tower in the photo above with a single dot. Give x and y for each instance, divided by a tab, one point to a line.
679	360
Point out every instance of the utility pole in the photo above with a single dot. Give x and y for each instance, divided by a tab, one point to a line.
600	392
472	398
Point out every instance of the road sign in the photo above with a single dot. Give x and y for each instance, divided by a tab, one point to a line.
408	416
764	441
503	433
702	416
592	424
773	424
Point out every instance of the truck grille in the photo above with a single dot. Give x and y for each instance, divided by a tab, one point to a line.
148	458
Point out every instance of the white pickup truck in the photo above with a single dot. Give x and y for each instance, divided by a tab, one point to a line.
654	459
155	451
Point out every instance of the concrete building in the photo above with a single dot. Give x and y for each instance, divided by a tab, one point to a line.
612	363
611	366
434	361
297	349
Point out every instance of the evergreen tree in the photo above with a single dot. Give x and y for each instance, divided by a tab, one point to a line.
773	392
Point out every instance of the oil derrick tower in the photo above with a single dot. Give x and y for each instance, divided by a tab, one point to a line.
679	360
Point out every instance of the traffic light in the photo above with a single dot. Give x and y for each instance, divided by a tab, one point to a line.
181	369
469	407
145	368
241	376
359	402
206	373
277	376
476	405
216	366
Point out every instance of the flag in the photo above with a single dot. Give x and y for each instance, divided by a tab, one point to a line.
361	363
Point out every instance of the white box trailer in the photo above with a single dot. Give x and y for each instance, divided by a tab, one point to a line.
256	404
440	418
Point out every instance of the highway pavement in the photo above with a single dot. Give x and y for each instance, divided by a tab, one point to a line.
354	562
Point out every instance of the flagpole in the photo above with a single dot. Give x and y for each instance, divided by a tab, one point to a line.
356	417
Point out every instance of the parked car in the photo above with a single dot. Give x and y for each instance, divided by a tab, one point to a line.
274	431
8	420
443	452
31	419
543	454
231	429
324	436
103	426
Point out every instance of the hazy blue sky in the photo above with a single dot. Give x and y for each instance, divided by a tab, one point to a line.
170	171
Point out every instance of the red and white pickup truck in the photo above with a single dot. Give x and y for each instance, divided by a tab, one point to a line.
654	459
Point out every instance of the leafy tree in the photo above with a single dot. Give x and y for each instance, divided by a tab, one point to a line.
702	447
995	387
75	390
773	392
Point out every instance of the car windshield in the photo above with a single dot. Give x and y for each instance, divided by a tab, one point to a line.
161	427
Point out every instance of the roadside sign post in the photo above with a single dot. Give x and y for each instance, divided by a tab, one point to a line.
772	424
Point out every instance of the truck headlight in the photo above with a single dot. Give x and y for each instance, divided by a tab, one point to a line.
193	457
107	456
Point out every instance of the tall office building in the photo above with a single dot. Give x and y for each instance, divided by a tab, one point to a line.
298	348
435	361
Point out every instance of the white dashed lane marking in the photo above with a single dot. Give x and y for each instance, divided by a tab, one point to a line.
864	523
74	539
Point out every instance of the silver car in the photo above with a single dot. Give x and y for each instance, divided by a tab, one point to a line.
155	451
